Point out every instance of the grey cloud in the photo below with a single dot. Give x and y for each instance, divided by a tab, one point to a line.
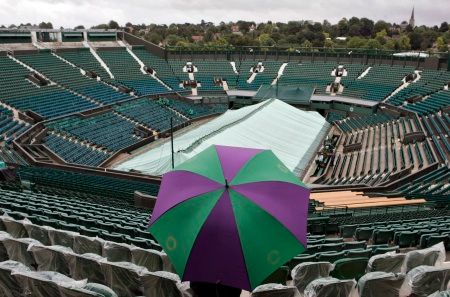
68	13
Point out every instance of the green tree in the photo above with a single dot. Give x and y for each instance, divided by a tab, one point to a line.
441	45
79	27
153	37
172	39
373	44
444	27
343	27
307	44
356	42
266	40
381	36
404	43
113	24
44	25
329	43
391	44
381	25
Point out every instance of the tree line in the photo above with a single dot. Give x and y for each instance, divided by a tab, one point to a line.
347	33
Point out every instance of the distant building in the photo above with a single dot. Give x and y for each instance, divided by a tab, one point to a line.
234	28
197	38
412	21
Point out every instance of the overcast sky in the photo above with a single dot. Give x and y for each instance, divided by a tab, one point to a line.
69	13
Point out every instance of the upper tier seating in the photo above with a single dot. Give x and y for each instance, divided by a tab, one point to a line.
85	60
126	71
18	92
317	74
177	68
378	83
431	104
150	113
9	127
266	77
355	123
163	70
71	78
430	82
214	69
193	111
107	130
60	181
8	155
75	152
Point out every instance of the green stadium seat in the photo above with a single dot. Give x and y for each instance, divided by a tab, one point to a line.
358	253
349	268
330	256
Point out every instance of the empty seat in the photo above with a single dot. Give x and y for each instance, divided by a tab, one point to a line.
162	284
42	283
349	268
9	287
331	247
358	253
430	256
380	284
17	249
15	228
86	266
84	244
331	256
328	286
383	250
406	238
3	251
275	290
38	232
388	262
116	252
347	231
301	259
363	233
381	236
51	258
150	259
305	273
350	245
62	237
124	278
425	280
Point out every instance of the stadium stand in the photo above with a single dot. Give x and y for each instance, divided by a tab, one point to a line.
427	88
75	152
379	82
379	209
71	78
20	93
209	71
193	111
151	114
10	127
160	66
66	181
305	73
127	72
265	77
106	130
83	59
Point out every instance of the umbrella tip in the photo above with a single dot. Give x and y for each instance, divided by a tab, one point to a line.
226	184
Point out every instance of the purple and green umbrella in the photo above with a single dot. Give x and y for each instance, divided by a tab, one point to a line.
230	215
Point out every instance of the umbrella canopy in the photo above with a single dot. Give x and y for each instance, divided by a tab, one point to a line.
230	215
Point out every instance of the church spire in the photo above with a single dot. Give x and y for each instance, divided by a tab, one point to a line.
412	21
